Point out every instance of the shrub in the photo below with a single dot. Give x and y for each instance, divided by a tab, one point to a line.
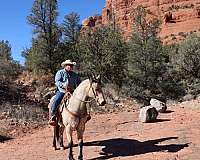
186	62
104	51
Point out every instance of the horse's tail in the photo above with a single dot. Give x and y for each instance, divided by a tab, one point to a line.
57	132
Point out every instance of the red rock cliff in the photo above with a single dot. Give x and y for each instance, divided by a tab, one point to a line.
179	17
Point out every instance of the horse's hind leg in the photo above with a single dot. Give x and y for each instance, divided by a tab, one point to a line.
54	133
61	138
54	137
70	142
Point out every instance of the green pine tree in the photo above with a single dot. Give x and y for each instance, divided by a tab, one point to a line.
104	51
47	35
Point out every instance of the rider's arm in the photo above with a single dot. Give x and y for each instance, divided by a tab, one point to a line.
78	80
59	80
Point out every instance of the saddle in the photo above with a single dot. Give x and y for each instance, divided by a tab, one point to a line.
57	119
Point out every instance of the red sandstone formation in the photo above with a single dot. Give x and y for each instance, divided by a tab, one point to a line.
185	15
92	21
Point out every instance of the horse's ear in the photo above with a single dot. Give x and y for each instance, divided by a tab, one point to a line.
93	76
89	77
98	78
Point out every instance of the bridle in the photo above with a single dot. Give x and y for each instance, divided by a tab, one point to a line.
84	101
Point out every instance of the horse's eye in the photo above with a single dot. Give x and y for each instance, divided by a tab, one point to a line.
98	89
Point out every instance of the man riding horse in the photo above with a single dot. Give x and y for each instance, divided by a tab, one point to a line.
66	80
72	114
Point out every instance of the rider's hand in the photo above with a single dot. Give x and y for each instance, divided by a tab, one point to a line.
68	88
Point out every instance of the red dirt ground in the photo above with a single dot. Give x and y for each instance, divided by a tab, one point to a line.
175	136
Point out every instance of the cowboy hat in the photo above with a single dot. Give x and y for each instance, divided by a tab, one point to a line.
68	62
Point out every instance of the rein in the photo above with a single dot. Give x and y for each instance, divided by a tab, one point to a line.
95	95
85	101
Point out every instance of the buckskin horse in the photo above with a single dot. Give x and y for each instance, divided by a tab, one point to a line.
73	113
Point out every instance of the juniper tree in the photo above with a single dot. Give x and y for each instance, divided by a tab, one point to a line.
46	32
71	30
146	58
5	50
104	51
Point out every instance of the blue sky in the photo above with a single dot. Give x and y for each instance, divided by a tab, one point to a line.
14	26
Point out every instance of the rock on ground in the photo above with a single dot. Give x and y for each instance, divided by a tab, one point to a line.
148	114
160	106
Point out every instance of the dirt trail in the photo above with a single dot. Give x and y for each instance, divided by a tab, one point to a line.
175	136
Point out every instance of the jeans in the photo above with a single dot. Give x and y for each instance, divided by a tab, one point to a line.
58	98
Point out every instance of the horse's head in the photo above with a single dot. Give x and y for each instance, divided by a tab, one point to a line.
95	90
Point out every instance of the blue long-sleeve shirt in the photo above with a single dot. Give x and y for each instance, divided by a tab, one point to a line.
64	79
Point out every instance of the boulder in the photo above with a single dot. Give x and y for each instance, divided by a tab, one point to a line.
148	114
160	106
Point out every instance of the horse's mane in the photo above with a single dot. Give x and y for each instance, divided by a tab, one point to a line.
81	86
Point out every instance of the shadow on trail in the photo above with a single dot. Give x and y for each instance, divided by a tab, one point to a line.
168	111
130	147
160	120
4	138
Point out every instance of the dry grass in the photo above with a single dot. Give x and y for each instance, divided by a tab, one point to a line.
23	113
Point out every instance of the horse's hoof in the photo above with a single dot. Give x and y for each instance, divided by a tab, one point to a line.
62	148
54	148
70	158
80	157
67	146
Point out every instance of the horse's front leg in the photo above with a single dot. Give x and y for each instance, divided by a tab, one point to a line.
80	132
70	142
80	143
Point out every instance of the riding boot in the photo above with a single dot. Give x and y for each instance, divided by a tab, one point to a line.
52	120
